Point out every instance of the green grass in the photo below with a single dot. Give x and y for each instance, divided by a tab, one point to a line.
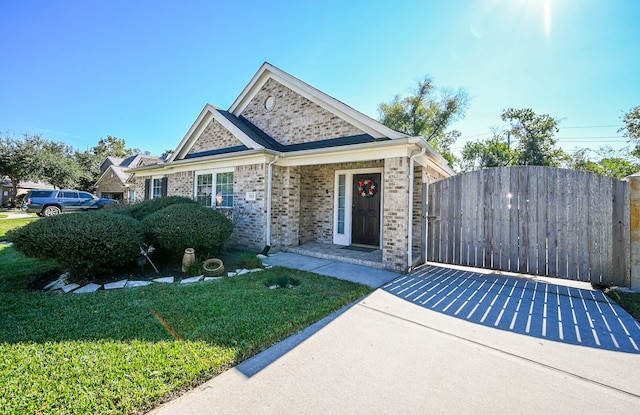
124	351
3	215
628	300
18	270
8	224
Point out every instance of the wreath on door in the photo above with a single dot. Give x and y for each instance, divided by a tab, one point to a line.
366	188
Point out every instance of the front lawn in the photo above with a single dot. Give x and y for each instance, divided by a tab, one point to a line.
8	224
123	351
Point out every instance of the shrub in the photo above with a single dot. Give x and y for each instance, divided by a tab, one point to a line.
250	261
84	243
148	207
187	225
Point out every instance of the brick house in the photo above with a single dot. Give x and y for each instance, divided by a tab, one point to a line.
113	182
295	166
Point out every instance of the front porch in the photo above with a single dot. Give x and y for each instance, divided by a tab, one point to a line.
338	253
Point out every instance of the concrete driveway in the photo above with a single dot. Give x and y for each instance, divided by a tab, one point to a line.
391	354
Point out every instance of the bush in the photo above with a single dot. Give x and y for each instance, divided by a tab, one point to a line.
148	207
187	225
84	243
250	261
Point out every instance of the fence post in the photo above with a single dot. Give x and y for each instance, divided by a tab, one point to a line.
634	223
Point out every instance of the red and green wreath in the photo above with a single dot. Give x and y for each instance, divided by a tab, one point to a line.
366	188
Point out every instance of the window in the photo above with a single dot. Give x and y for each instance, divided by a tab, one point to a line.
224	190
215	189
204	189
341	202
156	189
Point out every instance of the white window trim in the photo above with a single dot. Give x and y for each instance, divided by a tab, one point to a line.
213	173
345	239
153	178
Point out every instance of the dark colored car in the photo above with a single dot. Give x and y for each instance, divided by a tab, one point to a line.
54	202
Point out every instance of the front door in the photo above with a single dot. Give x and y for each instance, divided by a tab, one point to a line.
365	228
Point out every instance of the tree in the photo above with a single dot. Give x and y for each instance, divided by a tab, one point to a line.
631	128
114	147
494	152
536	145
60	167
21	160
616	164
427	113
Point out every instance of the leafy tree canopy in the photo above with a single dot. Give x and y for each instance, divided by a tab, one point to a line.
631	128
427	112
493	152
534	133
606	161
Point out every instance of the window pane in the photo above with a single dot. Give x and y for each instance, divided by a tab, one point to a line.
204	189
157	188
341	202
224	189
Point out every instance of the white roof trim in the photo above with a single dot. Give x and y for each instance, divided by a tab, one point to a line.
358	119
210	112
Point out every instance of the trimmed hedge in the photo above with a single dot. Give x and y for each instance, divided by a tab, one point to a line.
188	225
148	207
84	243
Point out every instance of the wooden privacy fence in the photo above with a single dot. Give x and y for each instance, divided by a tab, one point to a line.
534	220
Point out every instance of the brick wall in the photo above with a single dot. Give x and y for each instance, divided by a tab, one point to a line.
294	119
137	184
180	184
111	183
249	215
285	207
214	136
396	212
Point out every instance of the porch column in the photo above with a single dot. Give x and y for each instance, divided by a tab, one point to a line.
396	225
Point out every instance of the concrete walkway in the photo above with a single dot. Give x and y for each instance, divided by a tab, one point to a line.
385	354
14	214
356	273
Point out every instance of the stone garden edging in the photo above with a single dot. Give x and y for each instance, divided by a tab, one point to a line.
62	284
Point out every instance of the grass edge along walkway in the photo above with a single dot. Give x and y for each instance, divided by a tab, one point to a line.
111	352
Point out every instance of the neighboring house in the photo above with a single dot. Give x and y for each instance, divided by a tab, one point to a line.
23	188
293	165
114	180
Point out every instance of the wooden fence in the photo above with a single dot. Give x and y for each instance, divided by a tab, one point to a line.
534	220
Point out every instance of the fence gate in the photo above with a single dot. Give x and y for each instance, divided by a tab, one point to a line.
533	220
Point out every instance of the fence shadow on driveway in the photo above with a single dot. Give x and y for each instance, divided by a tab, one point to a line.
524	306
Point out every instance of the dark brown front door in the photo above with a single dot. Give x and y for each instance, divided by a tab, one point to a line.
365	228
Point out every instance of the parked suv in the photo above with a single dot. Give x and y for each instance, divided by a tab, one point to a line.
54	202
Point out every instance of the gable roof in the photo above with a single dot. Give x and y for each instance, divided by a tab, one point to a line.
119	166
334	106
208	113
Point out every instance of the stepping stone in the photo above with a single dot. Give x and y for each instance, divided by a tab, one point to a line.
164	280
242	271
273	287
191	280
131	284
255	270
70	287
89	288
212	278
114	285
56	285
231	274
262	256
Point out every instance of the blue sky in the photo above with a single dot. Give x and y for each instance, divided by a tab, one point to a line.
77	71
